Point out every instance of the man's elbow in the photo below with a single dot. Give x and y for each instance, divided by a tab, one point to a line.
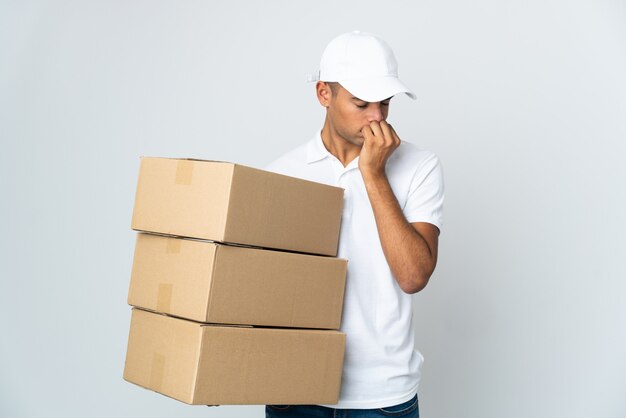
415	283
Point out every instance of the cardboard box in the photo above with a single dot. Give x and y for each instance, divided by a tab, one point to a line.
211	282
228	202
220	365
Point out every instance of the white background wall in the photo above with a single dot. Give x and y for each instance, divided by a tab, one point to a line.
524	101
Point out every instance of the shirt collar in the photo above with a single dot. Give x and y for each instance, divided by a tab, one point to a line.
316	150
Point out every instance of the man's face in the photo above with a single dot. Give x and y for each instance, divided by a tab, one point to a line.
347	115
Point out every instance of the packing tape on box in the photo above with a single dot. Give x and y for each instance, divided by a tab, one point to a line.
184	172
164	297
173	245
157	370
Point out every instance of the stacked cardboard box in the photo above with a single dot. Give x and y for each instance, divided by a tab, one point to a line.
236	290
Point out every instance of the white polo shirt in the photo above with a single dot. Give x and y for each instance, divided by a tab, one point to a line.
381	365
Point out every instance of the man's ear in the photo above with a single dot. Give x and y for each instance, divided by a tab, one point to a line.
324	93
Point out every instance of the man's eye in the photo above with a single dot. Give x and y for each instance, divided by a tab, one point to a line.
362	106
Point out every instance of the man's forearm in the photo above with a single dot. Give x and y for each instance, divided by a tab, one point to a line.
408	254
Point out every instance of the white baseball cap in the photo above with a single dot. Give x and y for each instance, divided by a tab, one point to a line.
364	65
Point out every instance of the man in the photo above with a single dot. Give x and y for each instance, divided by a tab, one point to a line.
390	225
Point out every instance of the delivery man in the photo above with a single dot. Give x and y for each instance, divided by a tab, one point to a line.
391	220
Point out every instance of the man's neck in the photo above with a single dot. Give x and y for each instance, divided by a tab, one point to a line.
338	146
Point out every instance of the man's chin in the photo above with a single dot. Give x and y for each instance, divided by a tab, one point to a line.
358	141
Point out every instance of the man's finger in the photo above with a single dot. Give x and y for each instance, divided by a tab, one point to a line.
367	133
387	132
395	136
375	127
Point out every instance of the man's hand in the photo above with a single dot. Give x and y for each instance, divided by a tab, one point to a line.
380	140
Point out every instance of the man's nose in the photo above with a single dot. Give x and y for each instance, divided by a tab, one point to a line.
375	113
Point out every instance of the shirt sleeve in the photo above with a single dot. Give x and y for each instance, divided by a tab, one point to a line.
426	192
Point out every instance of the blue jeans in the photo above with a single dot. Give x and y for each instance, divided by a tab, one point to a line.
408	409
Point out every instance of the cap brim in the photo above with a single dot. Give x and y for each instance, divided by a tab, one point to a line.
376	89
